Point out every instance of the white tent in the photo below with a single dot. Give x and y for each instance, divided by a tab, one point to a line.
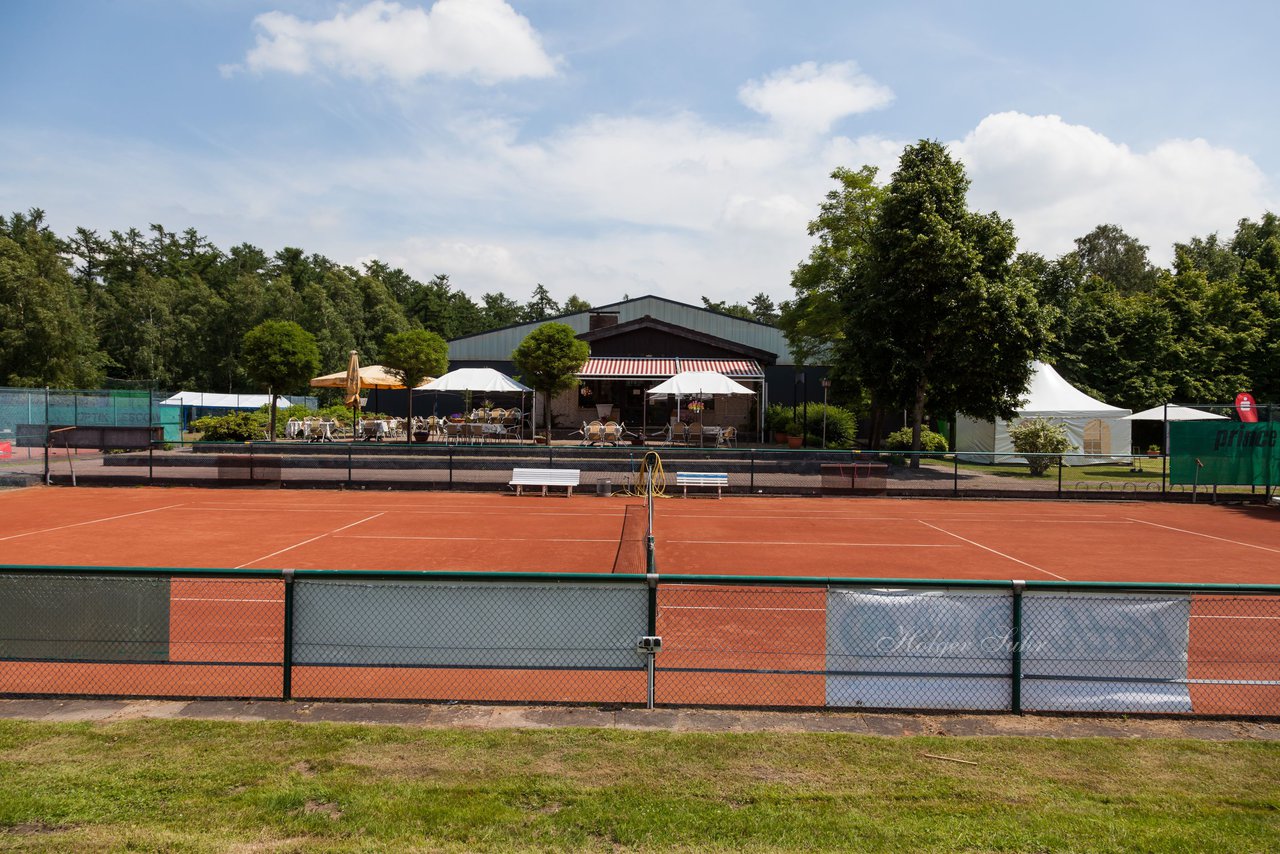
215	400
475	379
1096	429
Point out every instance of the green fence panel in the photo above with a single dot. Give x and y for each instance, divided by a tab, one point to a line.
1226	453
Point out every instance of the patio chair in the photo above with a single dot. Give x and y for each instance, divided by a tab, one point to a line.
593	433
729	436
612	433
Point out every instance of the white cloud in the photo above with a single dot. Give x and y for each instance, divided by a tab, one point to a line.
670	204
1056	181
485	40
811	97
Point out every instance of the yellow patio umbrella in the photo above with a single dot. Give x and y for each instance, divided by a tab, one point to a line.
356	378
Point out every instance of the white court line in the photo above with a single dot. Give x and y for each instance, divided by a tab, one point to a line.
994	552
198	599
727	608
1207	536
1228	617
812	544
90	522
488	539
250	508
312	540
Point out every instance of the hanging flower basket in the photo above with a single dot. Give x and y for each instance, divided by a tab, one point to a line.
696	406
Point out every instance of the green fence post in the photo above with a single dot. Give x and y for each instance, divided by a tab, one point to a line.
1060	477
752	486
955	474
1015	636
286	690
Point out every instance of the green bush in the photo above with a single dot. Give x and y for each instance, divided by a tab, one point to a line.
842	426
1040	436
931	444
777	418
235	427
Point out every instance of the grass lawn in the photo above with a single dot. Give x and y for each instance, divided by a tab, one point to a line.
216	786
1148	473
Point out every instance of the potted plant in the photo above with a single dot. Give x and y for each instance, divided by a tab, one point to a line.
1153	450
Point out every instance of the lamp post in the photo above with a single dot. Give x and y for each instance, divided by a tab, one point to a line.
826	385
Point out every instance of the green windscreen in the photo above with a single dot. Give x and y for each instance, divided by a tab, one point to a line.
83	617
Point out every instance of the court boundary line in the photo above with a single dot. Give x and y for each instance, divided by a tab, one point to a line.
311	540
1206	536
485	539
810	544
993	551
90	522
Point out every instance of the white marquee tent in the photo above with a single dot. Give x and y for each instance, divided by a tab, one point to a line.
1096	429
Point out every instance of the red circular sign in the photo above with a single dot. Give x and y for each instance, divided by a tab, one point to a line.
1246	408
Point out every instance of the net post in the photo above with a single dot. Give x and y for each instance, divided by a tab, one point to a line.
286	687
1015	637
652	629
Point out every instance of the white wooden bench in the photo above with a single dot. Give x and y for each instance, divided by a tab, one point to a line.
686	479
520	478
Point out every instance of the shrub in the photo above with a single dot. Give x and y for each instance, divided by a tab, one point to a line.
1040	436
235	427
777	418
931	443
842	426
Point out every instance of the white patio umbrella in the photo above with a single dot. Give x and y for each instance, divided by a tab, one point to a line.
475	379
697	384
1173	412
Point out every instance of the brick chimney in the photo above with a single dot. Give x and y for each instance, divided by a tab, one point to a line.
603	320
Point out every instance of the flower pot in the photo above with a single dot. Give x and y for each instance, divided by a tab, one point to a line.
794	442
779	437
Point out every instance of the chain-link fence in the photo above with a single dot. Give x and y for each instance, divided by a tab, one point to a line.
746	471
637	639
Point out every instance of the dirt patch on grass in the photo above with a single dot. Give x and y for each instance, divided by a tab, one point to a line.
329	808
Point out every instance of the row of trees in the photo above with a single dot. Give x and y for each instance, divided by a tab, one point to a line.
170	310
920	304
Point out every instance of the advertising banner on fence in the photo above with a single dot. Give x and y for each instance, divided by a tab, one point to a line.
1100	652
918	649
1228	453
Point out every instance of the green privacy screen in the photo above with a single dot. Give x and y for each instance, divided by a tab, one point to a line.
1231	453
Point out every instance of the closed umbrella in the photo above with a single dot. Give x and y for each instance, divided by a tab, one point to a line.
356	378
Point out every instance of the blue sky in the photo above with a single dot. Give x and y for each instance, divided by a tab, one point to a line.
624	148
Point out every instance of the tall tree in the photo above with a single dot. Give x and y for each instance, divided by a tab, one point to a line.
814	320
940	314
46	331
413	356
500	310
1108	253
575	304
280	356
549	358
541	305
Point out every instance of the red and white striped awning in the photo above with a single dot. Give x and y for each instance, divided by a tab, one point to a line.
641	368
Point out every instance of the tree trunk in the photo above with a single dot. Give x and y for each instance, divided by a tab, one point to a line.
917	417
876	435
410	430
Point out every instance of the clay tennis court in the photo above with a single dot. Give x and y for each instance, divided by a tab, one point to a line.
765	642
833	537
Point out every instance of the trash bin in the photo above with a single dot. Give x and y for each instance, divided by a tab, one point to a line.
604	487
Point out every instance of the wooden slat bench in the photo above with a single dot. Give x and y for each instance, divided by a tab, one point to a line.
520	478
686	479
